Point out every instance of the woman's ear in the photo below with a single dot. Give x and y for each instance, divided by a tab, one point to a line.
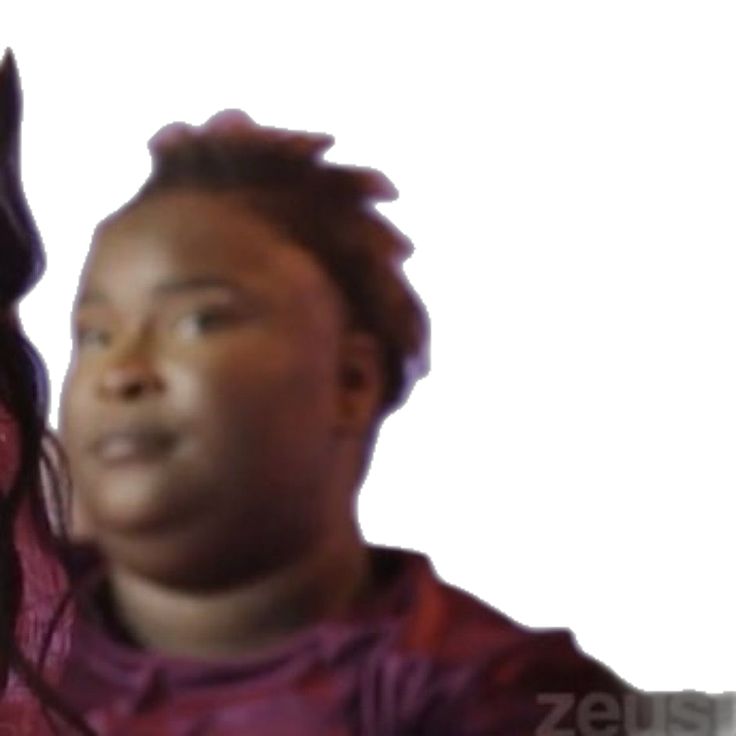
361	383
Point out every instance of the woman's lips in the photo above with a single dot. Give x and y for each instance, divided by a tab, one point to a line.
133	446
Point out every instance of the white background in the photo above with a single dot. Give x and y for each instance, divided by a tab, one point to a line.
568	175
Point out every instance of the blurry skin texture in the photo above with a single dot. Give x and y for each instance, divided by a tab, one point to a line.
215	417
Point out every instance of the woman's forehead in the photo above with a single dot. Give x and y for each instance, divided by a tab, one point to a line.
194	219
189	235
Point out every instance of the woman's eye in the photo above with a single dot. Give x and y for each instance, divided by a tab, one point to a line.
87	337
200	322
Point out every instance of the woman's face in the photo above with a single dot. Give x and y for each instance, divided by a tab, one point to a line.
204	406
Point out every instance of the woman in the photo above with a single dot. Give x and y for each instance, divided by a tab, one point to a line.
32	579
236	593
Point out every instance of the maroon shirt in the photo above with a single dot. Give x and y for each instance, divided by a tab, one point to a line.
44	584
421	659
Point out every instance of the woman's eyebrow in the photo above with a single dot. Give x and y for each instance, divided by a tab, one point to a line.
197	283
172	287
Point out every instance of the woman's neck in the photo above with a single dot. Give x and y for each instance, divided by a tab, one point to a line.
242	619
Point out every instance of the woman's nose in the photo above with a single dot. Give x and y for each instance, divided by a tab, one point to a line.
131	377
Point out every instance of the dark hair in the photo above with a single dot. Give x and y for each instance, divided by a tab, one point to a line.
24	396
326	208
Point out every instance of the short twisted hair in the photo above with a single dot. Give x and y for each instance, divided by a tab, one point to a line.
326	208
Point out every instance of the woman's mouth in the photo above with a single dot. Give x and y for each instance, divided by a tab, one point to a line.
141	445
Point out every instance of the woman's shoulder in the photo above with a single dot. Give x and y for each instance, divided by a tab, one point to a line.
43	626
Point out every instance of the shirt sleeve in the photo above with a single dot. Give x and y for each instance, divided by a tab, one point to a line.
44	577
544	686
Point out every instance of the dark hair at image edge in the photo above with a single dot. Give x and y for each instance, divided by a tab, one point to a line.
328	209
24	395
